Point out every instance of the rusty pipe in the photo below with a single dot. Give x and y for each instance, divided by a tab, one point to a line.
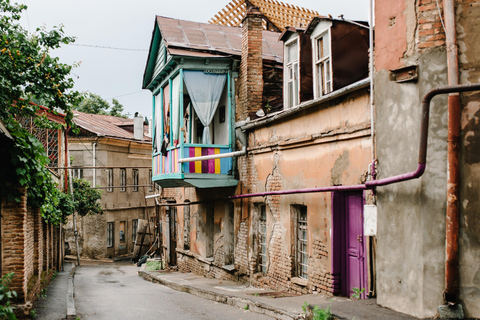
450	294
422	153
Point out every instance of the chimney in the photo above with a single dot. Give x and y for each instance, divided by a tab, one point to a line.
251	65
138	126
150	126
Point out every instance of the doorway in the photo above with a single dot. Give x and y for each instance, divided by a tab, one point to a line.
349	269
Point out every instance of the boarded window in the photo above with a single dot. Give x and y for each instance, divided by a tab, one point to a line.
110	230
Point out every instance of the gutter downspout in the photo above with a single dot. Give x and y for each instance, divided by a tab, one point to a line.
94	144
450	294
372	96
422	153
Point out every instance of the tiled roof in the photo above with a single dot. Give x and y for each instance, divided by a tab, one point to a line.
213	39
104	125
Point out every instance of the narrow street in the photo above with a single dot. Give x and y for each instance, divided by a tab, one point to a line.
115	291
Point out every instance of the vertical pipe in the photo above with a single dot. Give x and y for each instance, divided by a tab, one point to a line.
372	97
94	144
453	170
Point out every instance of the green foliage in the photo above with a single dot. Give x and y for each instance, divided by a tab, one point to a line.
94	104
27	69
6	310
28	72
154	265
86	198
357	293
317	312
246	307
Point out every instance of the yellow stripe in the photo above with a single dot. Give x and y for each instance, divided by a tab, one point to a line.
217	161
198	164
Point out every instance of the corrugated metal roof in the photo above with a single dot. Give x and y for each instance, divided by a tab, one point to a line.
104	125
213	39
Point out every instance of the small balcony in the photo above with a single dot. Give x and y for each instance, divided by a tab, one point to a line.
169	171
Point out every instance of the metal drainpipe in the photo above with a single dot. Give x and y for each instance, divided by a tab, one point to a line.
453	170
94	144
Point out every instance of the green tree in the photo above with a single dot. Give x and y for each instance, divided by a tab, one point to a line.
117	109
94	104
86	198
27	71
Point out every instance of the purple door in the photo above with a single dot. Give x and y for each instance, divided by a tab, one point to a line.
355	260
348	256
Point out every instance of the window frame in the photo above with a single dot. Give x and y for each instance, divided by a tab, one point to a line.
262	243
110	180
150	180
323	62
136	177
290	67
134	229
110	234
301	240
123	179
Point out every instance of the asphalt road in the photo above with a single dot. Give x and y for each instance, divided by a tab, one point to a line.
115	291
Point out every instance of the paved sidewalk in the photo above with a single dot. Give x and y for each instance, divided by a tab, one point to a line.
231	293
53	306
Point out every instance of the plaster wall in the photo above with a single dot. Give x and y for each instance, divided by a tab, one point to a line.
468	23
411	215
328	144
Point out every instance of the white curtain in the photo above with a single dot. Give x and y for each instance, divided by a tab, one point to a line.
158	122
175	111
205	90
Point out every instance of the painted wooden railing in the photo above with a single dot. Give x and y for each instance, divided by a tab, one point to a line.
169	163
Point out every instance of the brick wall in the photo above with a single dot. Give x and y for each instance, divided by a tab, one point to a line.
251	65
188	263
14	220
430	32
27	248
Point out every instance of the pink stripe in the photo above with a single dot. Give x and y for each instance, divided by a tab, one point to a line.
211	162
191	165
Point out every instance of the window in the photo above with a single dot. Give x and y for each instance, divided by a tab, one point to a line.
150	180
109	180
301	234
323	73
262	263
78	173
109	234
123	180
134	229
291	73
121	235
135	180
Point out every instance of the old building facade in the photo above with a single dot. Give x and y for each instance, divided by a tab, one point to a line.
112	157
282	102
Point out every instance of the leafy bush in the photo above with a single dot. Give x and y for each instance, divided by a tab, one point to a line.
317	312
6	310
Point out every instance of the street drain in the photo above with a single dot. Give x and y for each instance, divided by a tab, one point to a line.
278	294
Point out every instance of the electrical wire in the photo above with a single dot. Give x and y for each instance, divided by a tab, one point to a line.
105	47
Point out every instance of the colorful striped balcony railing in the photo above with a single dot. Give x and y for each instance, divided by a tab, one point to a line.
168	172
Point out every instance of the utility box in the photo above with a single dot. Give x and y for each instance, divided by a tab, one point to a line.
370	220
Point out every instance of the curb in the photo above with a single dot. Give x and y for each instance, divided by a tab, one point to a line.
71	310
243	303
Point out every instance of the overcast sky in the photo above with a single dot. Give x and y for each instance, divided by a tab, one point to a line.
129	24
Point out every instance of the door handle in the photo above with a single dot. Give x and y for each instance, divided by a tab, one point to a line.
359	239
